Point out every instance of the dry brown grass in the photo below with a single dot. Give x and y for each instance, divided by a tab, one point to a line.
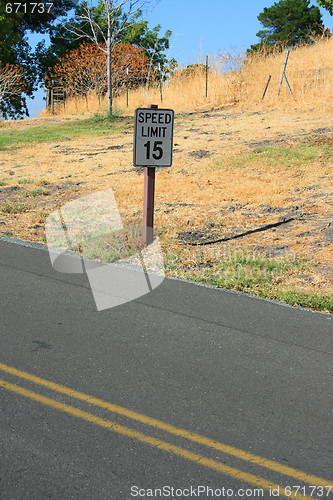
309	71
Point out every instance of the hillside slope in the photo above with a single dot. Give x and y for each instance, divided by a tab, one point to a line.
247	204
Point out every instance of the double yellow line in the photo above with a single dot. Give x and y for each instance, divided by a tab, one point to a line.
160	444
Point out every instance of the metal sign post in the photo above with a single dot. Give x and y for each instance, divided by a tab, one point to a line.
153	137
148	205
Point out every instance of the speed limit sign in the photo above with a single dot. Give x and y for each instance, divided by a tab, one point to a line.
153	136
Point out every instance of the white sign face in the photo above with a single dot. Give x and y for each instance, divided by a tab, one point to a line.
153	136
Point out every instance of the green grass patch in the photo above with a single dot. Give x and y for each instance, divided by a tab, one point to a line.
241	270
42	214
294	156
64	131
25	181
110	247
114	246
33	193
3	182
248	272
14	208
302	299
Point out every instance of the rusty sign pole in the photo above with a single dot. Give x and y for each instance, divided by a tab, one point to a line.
148	199
148	205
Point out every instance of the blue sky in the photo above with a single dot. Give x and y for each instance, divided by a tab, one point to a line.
200	28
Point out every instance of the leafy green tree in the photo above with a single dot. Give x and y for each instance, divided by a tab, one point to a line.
136	32
287	23
16	20
327	4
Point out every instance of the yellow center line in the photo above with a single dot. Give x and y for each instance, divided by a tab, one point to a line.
183	433
157	443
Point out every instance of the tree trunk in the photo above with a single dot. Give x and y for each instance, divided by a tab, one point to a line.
109	75
109	9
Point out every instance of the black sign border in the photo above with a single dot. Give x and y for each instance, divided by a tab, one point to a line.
154	110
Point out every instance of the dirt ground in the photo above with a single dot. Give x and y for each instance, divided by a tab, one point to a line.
276	209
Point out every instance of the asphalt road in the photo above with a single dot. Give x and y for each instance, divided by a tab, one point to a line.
187	386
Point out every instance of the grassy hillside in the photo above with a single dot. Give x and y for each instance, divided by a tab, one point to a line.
309	71
62	131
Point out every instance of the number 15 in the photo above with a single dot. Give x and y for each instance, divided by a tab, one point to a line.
157	152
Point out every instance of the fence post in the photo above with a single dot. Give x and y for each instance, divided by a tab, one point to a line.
52	101
284	76
265	89
206	76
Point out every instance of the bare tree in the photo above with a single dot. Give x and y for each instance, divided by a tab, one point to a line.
119	14
11	81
